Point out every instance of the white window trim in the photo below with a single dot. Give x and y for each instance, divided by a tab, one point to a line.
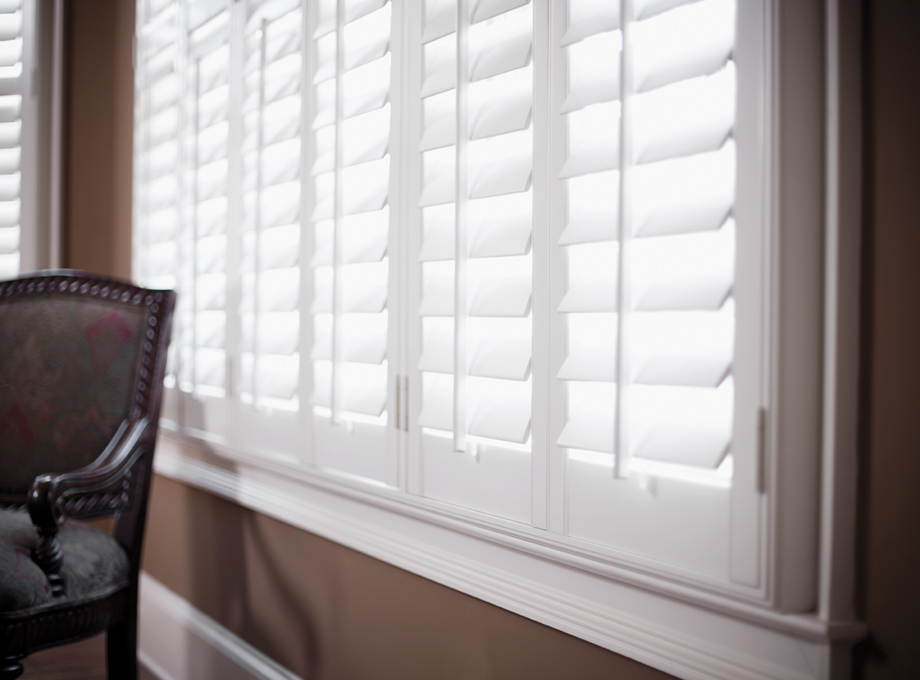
688	630
42	135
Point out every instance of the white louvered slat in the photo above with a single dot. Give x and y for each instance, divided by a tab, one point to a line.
440	19
501	104
590	17
694	40
487	9
501	45
594	72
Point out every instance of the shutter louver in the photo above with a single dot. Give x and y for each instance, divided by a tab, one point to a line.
476	292
11	94
350	172
270	225
649	308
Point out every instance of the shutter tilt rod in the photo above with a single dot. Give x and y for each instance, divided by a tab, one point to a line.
335	392
257	251
197	116
460	245
620	425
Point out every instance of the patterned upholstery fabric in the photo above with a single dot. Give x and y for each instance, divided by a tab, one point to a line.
67	369
94	563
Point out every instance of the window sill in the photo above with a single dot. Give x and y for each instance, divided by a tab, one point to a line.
686	631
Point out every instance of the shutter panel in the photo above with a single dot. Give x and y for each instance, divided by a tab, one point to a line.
494	215
201	315
11	91
271	199
351	218
158	151
669	330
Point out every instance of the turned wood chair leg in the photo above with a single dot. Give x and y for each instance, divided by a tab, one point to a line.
10	668
47	555
121	651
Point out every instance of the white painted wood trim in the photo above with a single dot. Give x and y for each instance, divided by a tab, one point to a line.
843	229
687	639
179	642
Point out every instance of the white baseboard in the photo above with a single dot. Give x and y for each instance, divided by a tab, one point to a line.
179	642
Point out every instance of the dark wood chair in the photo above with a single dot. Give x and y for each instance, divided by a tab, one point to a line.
81	373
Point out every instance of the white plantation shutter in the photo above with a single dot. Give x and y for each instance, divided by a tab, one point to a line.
201	315
670	246
476	205
157	146
476	301
158	220
350	171
566	356
270	227
12	89
649	245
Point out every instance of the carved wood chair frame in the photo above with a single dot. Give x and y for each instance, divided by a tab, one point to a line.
116	483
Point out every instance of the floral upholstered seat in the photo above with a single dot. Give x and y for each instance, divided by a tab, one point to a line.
82	360
95	566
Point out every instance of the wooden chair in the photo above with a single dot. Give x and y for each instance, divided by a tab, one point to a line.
82	360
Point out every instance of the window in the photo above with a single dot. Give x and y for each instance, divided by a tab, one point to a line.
512	263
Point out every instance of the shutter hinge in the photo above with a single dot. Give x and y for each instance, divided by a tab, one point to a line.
401	421
405	410
231	376
761	449
398	400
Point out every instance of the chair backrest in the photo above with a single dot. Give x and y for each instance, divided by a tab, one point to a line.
79	355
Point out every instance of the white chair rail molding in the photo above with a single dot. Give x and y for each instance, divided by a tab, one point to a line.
550	301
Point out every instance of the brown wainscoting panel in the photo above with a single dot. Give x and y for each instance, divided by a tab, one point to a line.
325	611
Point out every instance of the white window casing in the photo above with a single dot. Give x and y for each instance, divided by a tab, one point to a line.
548	293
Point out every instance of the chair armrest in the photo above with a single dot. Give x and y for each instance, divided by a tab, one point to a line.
101	488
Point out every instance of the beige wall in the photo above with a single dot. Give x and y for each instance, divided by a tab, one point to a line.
99	117
891	448
325	611
316	606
